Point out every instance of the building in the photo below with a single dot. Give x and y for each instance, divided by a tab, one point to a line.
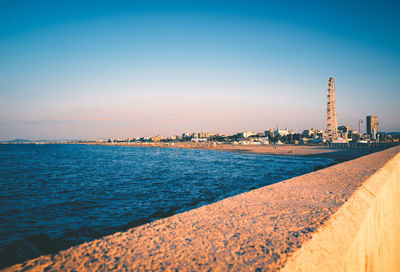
331	120
309	132
157	138
247	134
281	132
372	125
344	133
186	135
342	129
269	133
171	138
199	140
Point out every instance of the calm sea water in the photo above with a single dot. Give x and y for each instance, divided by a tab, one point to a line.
55	196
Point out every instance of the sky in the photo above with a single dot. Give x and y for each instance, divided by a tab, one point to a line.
101	69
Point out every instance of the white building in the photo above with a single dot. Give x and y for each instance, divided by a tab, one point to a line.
199	140
247	134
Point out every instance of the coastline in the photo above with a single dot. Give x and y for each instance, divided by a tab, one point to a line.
284	226
338	154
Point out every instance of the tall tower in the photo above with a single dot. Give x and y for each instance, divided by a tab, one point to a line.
331	121
372	125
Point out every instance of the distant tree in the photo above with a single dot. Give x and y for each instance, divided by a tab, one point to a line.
296	136
355	137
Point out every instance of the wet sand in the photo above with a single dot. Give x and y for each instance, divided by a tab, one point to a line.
339	154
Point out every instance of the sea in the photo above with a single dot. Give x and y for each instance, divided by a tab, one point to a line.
54	196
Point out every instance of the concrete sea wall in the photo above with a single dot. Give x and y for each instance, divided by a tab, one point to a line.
342	218
364	234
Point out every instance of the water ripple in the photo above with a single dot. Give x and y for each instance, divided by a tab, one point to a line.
68	194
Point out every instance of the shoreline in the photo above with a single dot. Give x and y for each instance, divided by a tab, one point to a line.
338	154
282	227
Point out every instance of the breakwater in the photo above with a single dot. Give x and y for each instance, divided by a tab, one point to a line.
340	218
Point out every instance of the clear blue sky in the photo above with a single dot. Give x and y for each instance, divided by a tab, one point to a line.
98	69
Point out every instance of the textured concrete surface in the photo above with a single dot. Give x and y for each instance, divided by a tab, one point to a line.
262	230
363	235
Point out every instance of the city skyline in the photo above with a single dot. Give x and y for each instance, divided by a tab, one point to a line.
72	70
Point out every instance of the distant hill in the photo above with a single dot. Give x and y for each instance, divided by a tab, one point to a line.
24	141
16	141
